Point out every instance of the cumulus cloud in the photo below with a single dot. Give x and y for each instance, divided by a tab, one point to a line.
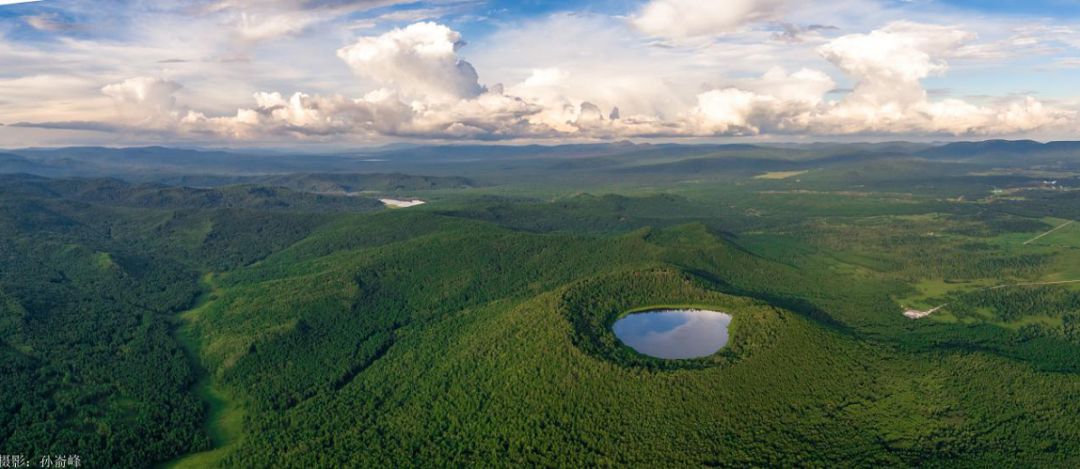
888	66
144	101
427	90
685	19
729	111
382	112
672	68
419	59
804	88
779	101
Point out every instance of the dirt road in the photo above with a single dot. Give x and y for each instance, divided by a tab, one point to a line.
1063	225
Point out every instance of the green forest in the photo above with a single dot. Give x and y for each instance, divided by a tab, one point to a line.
294	321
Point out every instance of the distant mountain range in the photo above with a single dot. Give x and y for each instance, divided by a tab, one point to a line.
1003	148
384	168
331	183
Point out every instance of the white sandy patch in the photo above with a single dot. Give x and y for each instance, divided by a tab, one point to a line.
396	203
916	314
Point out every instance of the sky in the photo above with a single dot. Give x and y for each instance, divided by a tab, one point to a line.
371	72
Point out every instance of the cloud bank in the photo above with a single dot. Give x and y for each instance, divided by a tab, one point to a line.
427	90
331	70
887	67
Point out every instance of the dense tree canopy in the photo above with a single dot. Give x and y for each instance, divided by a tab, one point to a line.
258	326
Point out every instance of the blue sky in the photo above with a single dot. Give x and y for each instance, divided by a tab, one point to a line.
1051	8
247	72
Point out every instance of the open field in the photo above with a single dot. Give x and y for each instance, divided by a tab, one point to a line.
224	415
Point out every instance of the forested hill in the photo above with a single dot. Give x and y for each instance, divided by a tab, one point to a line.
1007	152
333	183
259	326
120	193
92	276
449	167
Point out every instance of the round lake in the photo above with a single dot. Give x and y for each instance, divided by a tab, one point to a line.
674	333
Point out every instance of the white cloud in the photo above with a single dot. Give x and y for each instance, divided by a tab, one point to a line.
684	19
805	88
420	59
782	102
728	111
49	22
382	112
429	92
564	76
888	66
258	20
144	101
257	26
592	59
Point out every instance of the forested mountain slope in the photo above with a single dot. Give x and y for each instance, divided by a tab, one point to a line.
252	326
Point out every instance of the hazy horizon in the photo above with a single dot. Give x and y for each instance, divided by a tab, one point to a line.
326	148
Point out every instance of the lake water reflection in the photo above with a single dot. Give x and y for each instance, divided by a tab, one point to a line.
674	333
